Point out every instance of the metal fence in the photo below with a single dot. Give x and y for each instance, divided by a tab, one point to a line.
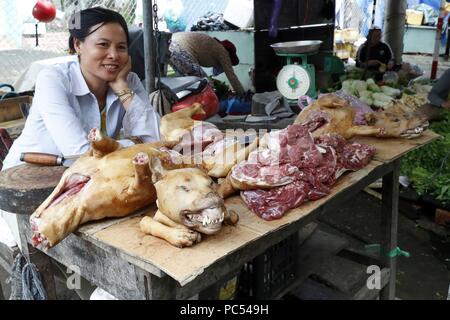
18	45
358	14
17	27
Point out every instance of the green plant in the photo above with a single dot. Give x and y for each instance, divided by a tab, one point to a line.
429	167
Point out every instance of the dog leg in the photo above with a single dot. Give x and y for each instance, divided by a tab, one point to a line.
175	236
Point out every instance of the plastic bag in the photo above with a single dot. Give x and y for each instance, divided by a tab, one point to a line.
390	78
173	16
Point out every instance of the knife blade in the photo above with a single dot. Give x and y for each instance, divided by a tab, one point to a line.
47	159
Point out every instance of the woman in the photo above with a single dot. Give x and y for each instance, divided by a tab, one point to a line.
96	90
190	51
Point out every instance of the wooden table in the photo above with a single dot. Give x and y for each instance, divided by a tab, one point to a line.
115	255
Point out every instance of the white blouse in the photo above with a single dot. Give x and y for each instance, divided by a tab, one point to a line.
64	111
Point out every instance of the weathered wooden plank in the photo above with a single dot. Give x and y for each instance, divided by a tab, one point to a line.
93	227
24	188
390	149
193	262
103	268
189	262
389	224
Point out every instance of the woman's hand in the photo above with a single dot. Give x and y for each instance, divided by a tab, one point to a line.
121	81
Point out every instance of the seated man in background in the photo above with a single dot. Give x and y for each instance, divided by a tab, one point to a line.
374	54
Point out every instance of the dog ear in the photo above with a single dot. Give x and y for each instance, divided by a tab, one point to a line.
158	170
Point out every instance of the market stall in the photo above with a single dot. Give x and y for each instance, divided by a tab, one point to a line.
115	255
118	256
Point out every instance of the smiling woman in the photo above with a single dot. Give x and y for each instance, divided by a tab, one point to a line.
97	90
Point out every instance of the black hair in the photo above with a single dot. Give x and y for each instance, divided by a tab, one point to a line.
82	21
371	32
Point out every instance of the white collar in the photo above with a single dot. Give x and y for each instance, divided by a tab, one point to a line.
79	85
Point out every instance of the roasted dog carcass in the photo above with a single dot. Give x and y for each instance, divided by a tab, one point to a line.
179	130
108	181
203	143
331	114
188	205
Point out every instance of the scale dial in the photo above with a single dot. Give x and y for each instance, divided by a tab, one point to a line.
293	81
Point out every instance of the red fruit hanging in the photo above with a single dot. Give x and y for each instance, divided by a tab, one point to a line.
44	11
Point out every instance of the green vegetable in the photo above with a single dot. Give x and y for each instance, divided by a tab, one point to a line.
429	166
381	97
391	91
372	86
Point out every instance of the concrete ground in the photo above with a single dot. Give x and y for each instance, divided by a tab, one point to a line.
421	276
425	61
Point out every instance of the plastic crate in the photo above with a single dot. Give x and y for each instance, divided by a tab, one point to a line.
268	274
222	290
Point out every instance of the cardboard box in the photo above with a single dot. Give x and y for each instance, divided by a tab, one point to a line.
414	17
10	108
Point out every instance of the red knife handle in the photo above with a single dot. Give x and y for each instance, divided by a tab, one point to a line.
44	159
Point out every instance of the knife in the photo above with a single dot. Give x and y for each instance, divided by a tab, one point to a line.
47	159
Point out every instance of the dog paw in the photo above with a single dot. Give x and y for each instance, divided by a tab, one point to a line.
185	237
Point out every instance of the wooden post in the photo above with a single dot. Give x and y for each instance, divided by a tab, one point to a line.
389	224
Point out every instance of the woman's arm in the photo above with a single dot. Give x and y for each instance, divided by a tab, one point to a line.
63	124
227	67
140	120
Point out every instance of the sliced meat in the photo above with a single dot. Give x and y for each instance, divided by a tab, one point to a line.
356	155
351	156
293	145
272	204
247	176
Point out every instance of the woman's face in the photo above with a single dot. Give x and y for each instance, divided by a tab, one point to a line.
103	53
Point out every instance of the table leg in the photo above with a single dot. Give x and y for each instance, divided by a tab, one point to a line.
155	288
41	260
389	224
2	297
